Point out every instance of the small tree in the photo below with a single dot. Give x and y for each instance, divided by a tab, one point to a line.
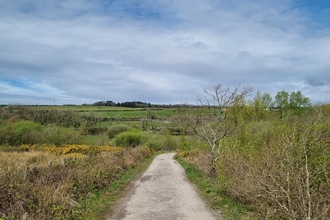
261	102
281	102
298	100
216	116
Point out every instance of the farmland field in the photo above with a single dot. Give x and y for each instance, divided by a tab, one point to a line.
111	111
82	108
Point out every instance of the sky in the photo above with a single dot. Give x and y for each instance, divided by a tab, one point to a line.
160	51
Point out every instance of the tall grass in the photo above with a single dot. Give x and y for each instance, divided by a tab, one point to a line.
56	191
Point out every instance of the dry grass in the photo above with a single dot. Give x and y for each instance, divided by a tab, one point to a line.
201	159
54	192
13	161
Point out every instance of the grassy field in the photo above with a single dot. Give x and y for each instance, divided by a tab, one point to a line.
160	113
111	111
83	108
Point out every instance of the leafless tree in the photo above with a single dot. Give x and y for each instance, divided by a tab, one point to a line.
216	116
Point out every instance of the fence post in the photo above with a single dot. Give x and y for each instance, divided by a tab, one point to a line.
26	172
63	161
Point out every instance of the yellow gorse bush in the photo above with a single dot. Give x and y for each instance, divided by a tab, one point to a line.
187	153
28	147
70	148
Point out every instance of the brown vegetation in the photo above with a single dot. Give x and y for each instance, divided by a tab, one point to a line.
287	176
32	188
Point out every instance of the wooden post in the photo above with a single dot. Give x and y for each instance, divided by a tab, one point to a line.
63	161
26	172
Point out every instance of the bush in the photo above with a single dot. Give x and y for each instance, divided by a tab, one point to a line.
116	129
285	176
29	132
96	130
169	143
59	135
20	132
154	142
132	138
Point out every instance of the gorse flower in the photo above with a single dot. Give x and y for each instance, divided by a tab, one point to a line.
70	148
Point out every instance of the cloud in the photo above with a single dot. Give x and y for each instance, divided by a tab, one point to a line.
314	81
80	51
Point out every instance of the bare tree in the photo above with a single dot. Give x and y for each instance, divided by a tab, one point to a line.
216	116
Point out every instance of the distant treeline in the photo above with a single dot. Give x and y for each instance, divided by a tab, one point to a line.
131	104
134	104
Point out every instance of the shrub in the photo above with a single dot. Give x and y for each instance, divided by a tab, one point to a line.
102	140
29	132
59	135
20	132
285	176
187	153
96	130
169	143
130	138
154	142
198	158
116	129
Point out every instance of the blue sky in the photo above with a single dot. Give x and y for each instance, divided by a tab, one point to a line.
80	51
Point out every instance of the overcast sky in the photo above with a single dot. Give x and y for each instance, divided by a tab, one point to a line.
160	51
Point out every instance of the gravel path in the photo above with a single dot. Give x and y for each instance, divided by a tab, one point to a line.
163	192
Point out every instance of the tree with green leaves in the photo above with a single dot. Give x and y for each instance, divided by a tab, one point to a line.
261	102
281	102
282	99
297	100
266	100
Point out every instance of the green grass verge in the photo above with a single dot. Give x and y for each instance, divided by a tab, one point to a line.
210	191
98	205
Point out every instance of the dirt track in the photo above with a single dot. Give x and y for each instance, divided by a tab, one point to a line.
163	192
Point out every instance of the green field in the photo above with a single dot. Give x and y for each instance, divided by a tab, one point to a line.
111	111
84	108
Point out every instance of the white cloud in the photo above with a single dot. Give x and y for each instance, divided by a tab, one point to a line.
158	51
